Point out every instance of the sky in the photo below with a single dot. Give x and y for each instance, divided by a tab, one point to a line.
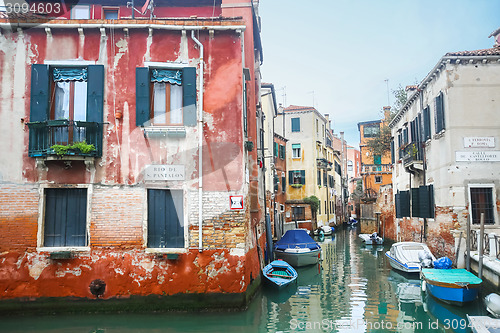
346	57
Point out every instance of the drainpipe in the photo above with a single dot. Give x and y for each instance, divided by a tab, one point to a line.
200	148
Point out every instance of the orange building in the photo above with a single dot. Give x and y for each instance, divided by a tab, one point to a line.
376	170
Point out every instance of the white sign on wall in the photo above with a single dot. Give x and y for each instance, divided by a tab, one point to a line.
164	172
478	156
479	142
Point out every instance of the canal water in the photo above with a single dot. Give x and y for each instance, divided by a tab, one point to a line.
352	290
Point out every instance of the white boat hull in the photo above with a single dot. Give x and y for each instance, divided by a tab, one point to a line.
370	240
402	267
299	257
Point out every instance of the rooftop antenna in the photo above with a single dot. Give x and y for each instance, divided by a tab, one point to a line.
312	92
387	83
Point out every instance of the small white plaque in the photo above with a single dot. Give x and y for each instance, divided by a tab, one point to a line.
164	172
479	142
478	156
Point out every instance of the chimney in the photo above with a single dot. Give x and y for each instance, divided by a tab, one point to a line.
496	35
387	112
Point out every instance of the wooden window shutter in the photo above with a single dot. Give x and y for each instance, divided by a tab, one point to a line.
303	177
189	95
39	107
397	201
142	98
95	101
405	203
415	202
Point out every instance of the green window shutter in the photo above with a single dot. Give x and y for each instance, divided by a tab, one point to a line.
405	203
427	124
426	196
415	202
275	149
283	184
303	177
95	104
377	159
397	200
39	107
439	113
295	124
290	177
189	95
393	159
142	84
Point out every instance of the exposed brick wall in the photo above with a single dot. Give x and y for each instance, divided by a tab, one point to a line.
117	215
18	216
226	230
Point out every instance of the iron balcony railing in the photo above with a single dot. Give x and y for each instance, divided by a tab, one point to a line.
412	153
44	135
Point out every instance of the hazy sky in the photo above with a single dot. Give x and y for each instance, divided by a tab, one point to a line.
338	53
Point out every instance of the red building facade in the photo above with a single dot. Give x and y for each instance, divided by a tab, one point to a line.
131	165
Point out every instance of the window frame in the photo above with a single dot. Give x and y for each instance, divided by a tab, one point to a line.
299	150
109	9
371	126
493	199
76	8
41	219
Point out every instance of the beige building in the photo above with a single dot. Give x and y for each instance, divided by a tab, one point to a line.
446	153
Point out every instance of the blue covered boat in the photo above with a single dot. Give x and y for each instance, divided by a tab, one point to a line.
297	248
279	273
456	286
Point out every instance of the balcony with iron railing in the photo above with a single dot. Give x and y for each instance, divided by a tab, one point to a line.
412	156
62	138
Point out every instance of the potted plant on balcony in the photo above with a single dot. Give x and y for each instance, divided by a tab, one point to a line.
77	148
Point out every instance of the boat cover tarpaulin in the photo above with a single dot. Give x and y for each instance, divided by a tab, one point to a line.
454	276
296	238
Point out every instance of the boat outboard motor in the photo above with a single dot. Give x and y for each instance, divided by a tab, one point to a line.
492	302
374	236
425	259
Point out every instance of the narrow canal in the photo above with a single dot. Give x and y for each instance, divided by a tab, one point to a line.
354	290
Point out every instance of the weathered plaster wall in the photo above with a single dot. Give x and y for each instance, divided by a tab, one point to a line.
117	253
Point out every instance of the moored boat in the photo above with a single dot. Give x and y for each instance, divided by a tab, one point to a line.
372	239
455	286
279	273
409	257
297	248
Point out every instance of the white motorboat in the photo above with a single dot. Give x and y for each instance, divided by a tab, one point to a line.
297	248
371	239
410	257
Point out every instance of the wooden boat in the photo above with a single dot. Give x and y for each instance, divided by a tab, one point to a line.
297	248
409	257
373	239
279	273
455	286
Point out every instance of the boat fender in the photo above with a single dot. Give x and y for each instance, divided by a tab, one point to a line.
424	286
492	302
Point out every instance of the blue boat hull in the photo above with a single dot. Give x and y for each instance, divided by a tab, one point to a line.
288	277
453	295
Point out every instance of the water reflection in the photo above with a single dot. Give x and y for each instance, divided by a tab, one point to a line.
353	289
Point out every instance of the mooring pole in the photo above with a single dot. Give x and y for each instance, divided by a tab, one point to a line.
467	245
481	240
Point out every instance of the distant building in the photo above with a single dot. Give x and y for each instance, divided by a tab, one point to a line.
447	151
310	164
353	177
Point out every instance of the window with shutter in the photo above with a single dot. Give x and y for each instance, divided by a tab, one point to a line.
66	108
415	202
165	97
439	119
165	219
65	221
427	123
295	124
404	204
481	201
